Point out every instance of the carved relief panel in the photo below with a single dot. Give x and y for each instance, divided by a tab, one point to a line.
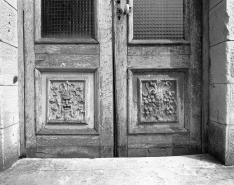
156	101
66	101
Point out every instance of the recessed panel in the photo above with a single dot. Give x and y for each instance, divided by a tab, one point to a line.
156	101
66	101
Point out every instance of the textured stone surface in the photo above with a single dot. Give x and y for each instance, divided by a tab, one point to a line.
9	106
217	139
9	64
218	18
193	170
221	17
10	145
230	146
9	111
214	3
1	150
221	22
222	103
222	63
221	142
231	106
230	24
219	99
13	3
8	24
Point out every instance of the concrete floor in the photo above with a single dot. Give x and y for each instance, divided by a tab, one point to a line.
192	170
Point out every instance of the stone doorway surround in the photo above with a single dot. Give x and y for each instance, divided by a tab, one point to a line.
218	81
9	84
221	106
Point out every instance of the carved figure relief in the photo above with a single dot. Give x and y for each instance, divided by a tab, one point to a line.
159	101
66	101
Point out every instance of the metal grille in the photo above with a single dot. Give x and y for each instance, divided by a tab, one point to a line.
68	18
158	19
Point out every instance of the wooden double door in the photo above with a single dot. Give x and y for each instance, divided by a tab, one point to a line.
112	78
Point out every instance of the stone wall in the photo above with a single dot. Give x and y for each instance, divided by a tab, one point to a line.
221	113
9	113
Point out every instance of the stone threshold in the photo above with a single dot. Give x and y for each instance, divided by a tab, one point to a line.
191	169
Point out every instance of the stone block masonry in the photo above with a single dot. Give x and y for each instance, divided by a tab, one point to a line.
9	112
221	113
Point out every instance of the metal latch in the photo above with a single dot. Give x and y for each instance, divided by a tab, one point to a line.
122	12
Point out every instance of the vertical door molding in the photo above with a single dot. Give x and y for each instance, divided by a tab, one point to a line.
120	66
29	77
20	10
195	76
104	37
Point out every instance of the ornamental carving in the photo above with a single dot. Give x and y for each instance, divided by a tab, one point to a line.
66	101
159	101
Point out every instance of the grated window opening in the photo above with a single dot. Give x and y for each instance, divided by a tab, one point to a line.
67	19
158	19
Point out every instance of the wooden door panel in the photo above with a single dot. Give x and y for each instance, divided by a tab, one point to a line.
156	102
60	146
163	76
66	105
69	87
158	145
158	152
165	56
67	60
67	100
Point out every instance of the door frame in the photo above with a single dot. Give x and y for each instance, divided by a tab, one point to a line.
205	77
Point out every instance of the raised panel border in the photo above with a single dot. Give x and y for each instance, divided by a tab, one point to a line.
49	81
69	129
134	127
141	120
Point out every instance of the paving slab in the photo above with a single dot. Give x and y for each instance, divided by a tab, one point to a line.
192	170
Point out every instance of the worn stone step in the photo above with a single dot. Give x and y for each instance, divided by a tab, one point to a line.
193	169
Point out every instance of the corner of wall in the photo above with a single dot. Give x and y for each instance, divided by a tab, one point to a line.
205	74
221	108
9	113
